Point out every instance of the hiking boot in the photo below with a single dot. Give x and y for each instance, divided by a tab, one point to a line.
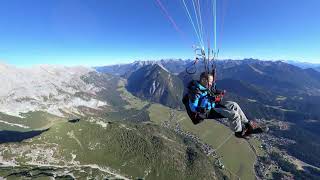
252	127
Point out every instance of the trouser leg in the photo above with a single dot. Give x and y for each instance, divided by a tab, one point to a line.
235	115
235	106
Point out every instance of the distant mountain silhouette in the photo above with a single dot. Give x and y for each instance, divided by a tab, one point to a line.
174	66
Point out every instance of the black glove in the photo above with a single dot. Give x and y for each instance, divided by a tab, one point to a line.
202	113
219	92
202	110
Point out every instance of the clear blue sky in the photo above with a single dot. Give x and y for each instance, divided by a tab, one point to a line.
97	32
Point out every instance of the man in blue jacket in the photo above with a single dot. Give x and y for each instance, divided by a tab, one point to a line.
204	102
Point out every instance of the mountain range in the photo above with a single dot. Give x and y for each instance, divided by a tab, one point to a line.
270	90
304	65
73	122
127	121
52	89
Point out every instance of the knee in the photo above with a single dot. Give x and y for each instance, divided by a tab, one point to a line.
235	115
234	105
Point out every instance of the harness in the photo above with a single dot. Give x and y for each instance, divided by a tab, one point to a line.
196	116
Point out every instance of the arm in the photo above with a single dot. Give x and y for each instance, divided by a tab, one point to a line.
193	102
200	108
217	95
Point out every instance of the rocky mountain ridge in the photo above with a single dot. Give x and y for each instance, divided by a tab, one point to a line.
53	89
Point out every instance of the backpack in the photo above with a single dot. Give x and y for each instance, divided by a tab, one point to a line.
196	119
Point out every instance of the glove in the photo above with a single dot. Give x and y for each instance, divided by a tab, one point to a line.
203	116
217	99
202	113
216	92
202	110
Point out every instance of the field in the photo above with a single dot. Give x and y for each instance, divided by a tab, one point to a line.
116	146
30	121
236	154
115	149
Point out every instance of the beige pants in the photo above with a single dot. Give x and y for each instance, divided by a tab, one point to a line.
234	114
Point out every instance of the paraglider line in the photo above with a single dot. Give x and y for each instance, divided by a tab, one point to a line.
170	18
190	19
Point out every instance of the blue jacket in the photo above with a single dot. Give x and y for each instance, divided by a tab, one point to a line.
199	97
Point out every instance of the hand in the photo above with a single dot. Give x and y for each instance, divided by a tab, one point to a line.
220	95
202	110
218	99
217	91
203	116
221	92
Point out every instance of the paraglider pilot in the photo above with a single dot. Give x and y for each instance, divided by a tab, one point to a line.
203	101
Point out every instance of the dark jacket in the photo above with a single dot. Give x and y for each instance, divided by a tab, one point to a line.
197	102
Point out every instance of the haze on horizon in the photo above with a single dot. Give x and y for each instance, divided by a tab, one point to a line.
80	32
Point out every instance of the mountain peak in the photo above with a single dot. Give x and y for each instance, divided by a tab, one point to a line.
159	65
153	82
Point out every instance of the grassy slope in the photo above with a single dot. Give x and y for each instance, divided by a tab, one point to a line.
34	120
133	101
239	160
237	155
134	150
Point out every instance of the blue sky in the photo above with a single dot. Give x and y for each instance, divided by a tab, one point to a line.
98	32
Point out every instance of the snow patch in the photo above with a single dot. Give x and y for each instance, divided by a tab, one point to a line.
101	123
45	88
256	70
98	122
13	124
